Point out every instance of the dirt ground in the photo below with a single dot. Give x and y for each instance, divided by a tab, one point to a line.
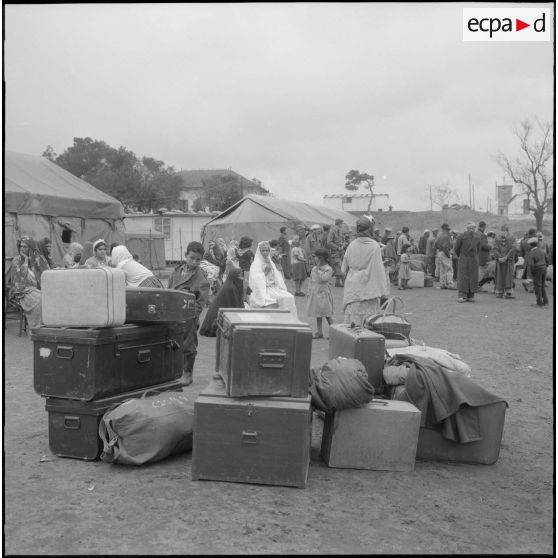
66	506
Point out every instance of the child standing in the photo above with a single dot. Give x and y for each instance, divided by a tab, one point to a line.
320	298
537	260
298	265
404	269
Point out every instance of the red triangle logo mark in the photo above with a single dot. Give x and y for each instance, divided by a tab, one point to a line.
519	25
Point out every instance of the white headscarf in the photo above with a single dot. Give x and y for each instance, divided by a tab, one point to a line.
257	279
135	272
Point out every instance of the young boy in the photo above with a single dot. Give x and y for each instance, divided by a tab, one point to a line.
188	276
537	261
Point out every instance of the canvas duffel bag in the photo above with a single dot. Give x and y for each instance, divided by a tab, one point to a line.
147	429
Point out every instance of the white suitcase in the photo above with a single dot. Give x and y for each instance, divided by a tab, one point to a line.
417	279
381	436
83	297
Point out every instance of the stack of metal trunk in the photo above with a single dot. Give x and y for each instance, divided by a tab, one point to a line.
253	423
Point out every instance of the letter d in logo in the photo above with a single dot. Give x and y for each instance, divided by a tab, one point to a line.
541	28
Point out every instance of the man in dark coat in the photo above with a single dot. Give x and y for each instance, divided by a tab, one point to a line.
467	247
484	253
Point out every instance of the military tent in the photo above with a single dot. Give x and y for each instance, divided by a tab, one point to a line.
42	199
261	217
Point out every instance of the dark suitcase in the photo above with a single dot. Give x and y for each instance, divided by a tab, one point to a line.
362	344
89	364
73	426
150	305
263	353
433	446
251	440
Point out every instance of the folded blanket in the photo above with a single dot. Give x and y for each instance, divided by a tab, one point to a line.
444	398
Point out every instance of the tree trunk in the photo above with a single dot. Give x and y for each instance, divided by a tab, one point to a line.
539	214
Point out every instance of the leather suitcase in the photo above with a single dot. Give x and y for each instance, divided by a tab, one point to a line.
362	344
433	446
151	305
381	436
417	279
83	297
88	364
258	440
73	426
262	353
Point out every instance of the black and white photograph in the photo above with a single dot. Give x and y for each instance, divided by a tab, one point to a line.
214	216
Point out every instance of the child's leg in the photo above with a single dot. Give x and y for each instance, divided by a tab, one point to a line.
319	324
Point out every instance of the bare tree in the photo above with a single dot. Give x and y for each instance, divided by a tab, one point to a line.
354	178
532	168
443	195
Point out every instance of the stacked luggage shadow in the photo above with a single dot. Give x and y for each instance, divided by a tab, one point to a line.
87	359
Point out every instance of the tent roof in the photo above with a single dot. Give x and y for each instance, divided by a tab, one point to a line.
35	185
251	209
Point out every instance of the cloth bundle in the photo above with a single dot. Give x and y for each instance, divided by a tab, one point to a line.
341	383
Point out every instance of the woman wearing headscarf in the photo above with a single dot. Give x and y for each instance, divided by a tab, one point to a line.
99	257
43	261
267	284
137	275
230	295
365	278
73	255
25	288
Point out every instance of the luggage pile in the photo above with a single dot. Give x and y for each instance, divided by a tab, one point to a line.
253	423
394	429
102	344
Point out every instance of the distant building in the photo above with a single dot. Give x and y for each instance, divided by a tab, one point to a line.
193	184
178	228
357	204
513	206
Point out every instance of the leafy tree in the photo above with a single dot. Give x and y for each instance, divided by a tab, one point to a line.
49	153
532	168
221	191
141	185
354	178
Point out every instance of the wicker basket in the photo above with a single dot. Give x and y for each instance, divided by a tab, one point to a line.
389	324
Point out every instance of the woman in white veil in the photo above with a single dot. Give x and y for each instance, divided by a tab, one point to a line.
267	284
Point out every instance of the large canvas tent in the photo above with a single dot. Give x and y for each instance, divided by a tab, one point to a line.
42	199
261	217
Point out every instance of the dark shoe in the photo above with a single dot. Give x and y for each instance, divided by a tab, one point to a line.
317	336
470	299
400	288
508	295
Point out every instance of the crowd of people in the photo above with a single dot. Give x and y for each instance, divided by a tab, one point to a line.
365	263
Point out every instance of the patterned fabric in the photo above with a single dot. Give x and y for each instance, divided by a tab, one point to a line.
151	282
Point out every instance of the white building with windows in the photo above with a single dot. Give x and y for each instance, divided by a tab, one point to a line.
357	203
179	228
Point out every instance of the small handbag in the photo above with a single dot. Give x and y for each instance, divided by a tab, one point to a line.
389	324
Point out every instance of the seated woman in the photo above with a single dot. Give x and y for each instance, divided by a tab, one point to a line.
43	260
99	257
72	256
24	289
137	275
230	295
267	284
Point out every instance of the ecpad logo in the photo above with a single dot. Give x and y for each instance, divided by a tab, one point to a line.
507	24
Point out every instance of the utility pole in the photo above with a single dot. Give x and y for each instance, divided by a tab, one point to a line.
473	206
470	201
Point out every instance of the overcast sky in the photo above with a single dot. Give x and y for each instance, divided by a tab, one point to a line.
293	94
